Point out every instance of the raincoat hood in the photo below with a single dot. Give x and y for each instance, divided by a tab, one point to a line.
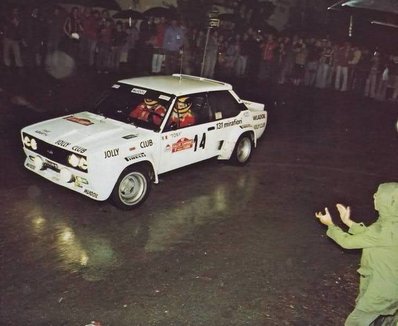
386	201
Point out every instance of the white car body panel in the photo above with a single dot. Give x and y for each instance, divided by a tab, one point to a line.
105	147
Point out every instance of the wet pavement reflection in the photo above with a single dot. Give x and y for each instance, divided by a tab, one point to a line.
214	244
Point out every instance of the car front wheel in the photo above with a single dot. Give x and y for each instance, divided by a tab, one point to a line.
242	151
132	188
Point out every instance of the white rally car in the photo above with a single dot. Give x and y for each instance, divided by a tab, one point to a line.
143	127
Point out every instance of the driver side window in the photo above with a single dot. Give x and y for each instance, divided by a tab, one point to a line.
188	111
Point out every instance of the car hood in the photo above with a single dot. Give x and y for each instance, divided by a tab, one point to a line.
86	130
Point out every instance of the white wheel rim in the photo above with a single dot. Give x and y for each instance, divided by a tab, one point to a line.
132	188
244	150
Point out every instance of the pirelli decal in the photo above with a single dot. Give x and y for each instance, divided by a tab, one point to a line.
134	157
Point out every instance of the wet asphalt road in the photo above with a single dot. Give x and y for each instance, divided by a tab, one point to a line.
213	244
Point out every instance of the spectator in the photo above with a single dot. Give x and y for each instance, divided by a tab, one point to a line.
342	59
118	40
231	56
158	56
211	54
325	65
394	77
300	59
12	39
172	44
129	48
378	289
55	30
311	66
73	29
355	56
90	25
373	76
104	47
268	48
241	61
34	38
361	72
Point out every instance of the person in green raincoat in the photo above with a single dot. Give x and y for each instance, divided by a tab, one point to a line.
378	287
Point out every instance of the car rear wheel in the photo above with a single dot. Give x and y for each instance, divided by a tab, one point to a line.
242	151
132	188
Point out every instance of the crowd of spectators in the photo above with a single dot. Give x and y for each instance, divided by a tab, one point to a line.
157	45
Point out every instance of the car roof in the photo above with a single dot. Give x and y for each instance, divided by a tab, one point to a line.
177	84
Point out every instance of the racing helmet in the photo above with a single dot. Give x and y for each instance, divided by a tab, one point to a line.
150	102
183	105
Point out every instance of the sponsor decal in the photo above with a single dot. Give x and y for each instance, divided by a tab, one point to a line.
164	97
112	153
80	121
79	181
260	116
134	157
227	124
129	136
218	115
51	165
43	132
182	144
138	91
146	143
79	149
62	143
261	125
245	126
175	134
91	193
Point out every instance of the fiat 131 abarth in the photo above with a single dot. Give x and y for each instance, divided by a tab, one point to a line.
143	127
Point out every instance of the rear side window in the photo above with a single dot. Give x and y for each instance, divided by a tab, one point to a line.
223	105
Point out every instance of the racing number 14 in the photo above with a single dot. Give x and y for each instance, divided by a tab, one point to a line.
202	143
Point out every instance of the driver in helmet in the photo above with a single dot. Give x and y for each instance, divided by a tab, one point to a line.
150	110
182	114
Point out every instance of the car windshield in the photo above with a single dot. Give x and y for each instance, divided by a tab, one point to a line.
139	106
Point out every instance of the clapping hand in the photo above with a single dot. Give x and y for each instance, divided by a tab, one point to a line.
325	218
345	213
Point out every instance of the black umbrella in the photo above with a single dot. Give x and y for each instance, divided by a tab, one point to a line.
387	6
128	13
160	12
106	4
380	12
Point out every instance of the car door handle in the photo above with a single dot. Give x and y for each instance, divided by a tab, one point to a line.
211	128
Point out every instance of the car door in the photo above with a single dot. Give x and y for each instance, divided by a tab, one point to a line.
188	138
228	115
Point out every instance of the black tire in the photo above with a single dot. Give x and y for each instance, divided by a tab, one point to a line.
132	188
242	151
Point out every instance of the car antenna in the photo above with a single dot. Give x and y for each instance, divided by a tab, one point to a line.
181	61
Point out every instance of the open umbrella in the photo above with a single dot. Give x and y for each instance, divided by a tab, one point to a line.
380	12
128	13
387	6
106	4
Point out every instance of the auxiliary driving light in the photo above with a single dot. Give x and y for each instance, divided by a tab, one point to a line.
73	160
32	143
83	163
